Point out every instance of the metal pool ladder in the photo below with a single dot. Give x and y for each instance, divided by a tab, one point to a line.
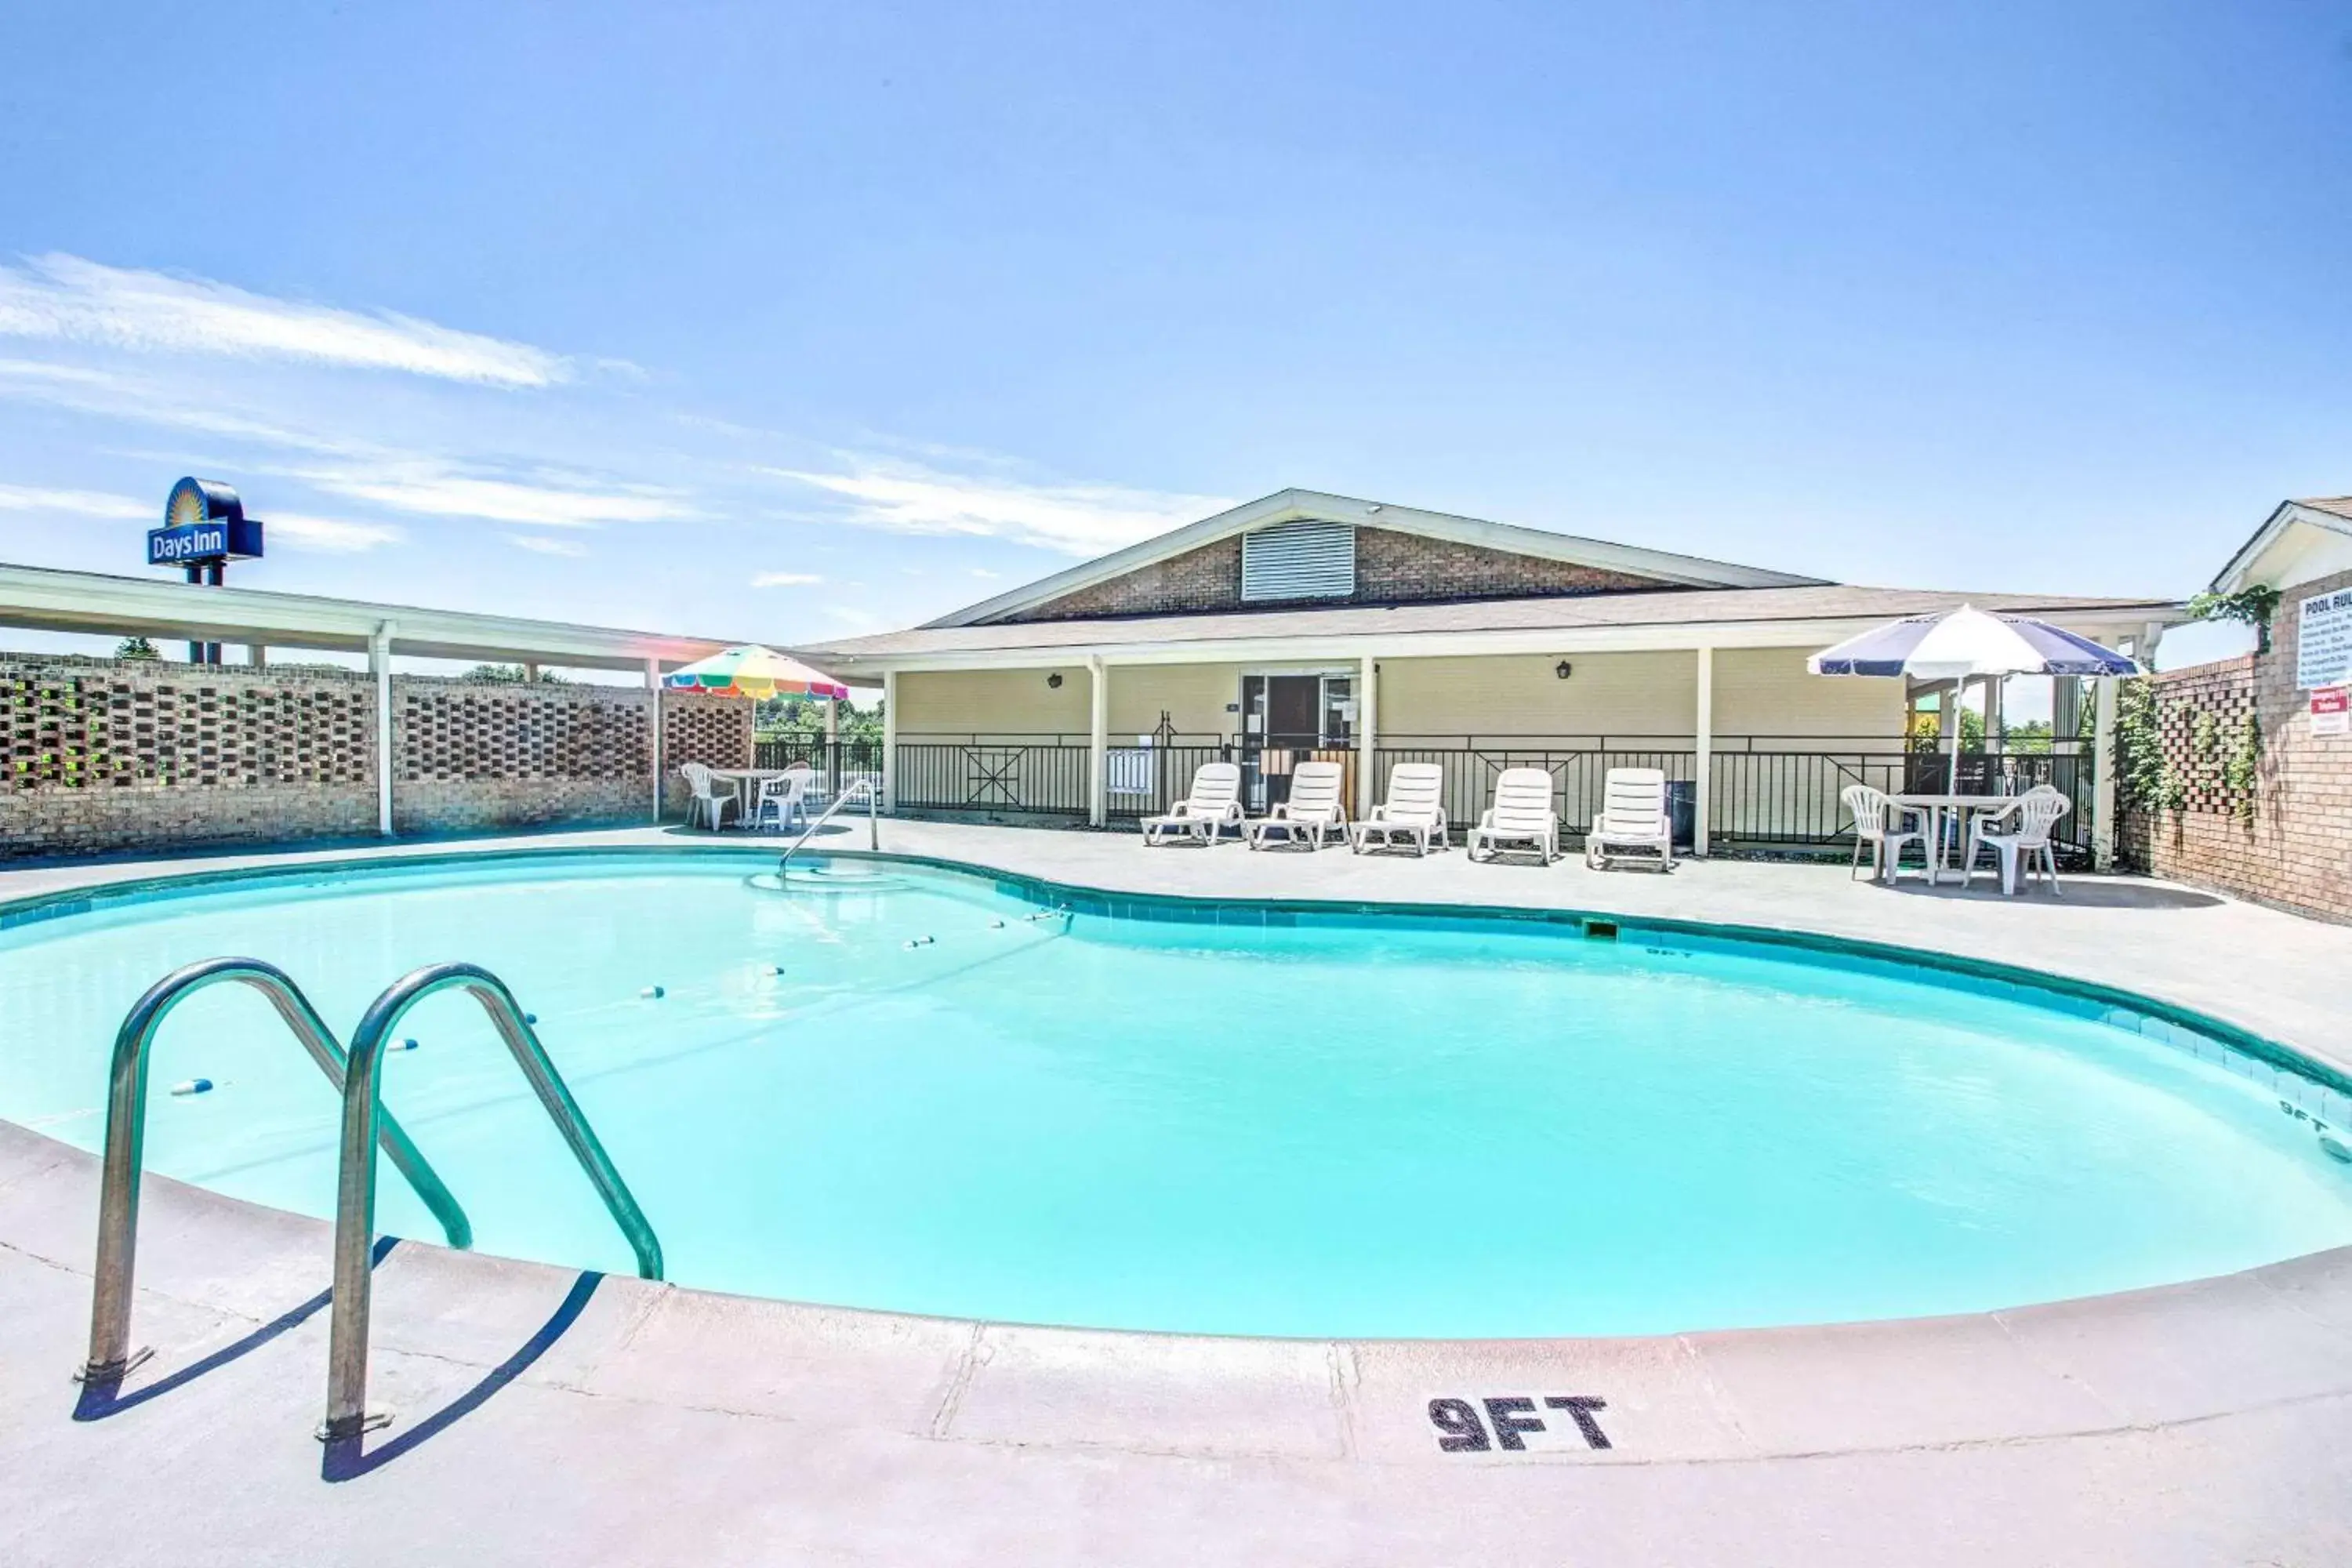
365	1125
111	1355
865	787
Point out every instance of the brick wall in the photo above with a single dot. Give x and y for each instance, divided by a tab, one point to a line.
1392	568
106	755
2287	842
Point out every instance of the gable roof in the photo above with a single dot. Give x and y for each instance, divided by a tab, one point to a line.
1285	506
2331	514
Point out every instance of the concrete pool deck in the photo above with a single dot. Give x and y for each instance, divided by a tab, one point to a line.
548	1416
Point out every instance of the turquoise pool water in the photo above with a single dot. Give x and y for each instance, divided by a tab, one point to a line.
1377	1129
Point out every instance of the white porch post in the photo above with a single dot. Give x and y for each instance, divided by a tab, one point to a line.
653	685
1368	735
379	666
1704	729
1098	740
889	739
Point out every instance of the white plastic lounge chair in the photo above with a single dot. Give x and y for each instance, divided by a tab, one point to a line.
1313	809
708	805
1884	827
1521	814
1414	810
1632	816
2034	815
783	799
1214	801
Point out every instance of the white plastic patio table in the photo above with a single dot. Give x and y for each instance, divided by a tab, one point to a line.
738	779
1959	805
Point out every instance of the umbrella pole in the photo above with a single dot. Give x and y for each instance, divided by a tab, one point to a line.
1951	705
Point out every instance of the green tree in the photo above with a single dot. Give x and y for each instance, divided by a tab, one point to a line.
135	648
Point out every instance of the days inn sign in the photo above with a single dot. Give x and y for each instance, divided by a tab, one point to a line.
204	525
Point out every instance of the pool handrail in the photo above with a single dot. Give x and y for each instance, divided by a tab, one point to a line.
111	1355
872	792
347	1342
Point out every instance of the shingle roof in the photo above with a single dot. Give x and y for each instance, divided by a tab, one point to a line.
1677	607
2338	506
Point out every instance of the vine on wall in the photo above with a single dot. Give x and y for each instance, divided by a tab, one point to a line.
2186	753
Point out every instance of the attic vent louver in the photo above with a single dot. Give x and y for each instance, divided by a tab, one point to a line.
1298	561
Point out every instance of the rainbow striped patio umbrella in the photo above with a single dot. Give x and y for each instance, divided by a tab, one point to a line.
751	670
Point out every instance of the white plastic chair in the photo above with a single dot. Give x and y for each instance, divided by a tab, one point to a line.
708	803
1632	816
783	799
1215	801
2034	813
1313	809
1521	814
1886	828
1414	808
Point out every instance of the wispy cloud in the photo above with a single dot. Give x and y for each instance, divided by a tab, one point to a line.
546	546
77	503
333	534
435	487
66	297
1074	519
784	580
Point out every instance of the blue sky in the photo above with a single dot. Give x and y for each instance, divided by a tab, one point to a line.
785	321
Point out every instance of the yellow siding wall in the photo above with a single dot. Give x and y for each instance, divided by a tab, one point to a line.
1769	692
993	702
1607	693
1758	691
1193	695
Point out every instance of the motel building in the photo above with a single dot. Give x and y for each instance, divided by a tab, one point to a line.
1307	625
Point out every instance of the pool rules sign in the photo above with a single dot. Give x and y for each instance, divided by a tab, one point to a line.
2323	659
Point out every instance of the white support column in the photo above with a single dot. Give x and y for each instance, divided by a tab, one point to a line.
379	666
889	739
653	684
1703	727
1368	735
2102	776
1098	740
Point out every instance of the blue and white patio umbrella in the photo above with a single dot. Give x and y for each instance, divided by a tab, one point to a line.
1966	644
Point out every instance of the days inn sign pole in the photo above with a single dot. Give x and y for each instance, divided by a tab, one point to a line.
204	529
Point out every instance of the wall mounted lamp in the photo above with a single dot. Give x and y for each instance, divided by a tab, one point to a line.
1563	670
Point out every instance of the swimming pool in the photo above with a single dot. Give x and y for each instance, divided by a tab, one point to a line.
911	1087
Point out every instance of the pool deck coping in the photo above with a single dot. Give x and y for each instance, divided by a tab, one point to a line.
2222	1366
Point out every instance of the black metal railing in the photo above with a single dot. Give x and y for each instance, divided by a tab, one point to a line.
1762	790
837	764
994	775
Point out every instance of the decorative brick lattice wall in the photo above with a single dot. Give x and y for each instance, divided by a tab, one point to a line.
107	754
2295	852
474	756
1392	568
697	728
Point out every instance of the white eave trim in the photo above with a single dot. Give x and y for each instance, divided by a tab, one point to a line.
2104	625
40	598
1284	506
2239	569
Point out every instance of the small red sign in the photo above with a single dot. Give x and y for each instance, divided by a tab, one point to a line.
2331	710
